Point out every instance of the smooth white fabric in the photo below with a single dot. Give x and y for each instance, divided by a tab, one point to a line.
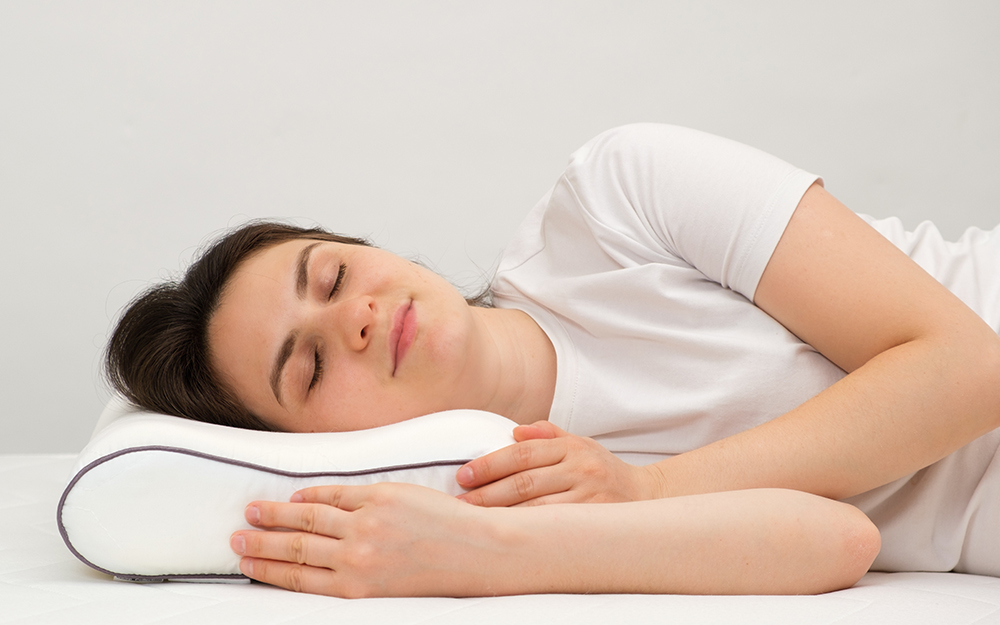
641	264
41	582
154	496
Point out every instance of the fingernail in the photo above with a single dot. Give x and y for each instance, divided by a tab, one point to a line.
246	567
297	498
238	544
253	515
464	475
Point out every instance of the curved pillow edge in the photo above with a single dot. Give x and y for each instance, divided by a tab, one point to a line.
442	439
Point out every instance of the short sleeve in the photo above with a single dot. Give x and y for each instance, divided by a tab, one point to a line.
715	204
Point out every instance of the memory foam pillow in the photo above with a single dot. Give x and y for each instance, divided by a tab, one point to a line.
155	498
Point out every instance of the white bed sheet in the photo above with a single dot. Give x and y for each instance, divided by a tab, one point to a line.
41	582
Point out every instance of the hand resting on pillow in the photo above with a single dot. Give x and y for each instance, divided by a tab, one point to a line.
118	512
548	465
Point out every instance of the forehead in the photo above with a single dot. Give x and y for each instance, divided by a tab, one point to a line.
270	269
276	257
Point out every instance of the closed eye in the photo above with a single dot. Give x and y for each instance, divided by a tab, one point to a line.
340	280
317	359
317	369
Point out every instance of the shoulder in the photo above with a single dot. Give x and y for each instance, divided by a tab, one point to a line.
631	140
648	160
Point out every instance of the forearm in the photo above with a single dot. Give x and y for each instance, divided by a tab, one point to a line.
404	540
903	410
747	542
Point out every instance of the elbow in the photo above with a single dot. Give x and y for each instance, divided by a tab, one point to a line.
863	547
976	374
990	378
859	542
834	546
965	380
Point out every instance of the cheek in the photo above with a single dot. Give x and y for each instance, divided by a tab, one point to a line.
447	351
355	401
364	405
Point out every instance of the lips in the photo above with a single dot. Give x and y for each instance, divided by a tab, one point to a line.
404	329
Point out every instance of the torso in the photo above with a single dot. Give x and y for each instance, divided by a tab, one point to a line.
660	350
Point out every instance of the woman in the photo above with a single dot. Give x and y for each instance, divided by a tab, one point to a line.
705	303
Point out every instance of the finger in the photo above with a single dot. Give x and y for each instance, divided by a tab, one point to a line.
518	488
538	429
297	547
295	577
306	517
509	461
347	498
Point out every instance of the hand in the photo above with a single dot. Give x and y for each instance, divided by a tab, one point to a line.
363	541
548	465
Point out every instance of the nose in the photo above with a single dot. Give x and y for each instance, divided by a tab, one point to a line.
351	320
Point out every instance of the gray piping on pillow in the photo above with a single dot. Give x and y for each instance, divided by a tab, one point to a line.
179	450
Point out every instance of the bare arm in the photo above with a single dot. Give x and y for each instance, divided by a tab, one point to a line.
924	369
403	540
924	379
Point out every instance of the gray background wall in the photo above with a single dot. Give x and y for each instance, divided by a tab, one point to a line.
129	132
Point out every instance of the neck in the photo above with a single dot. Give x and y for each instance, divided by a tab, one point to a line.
525	362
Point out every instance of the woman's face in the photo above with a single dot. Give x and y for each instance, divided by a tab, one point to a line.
316	336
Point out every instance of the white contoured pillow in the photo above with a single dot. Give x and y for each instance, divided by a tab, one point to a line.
154	497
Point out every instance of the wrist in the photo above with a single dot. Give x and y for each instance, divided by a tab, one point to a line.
528	552
504	555
655	481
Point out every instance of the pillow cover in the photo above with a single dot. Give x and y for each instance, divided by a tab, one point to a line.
154	497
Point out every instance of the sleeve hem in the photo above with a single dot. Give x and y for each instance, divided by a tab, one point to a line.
772	225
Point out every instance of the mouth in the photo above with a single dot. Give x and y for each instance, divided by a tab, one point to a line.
404	329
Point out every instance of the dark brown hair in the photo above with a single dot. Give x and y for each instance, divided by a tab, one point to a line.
158	355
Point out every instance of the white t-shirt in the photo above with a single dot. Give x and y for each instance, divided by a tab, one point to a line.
641	264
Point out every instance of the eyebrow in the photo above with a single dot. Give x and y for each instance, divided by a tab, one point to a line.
279	365
302	270
301	282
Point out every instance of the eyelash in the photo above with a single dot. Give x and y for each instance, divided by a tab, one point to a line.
340	279
317	361
317	370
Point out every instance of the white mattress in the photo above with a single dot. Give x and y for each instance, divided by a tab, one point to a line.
41	582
